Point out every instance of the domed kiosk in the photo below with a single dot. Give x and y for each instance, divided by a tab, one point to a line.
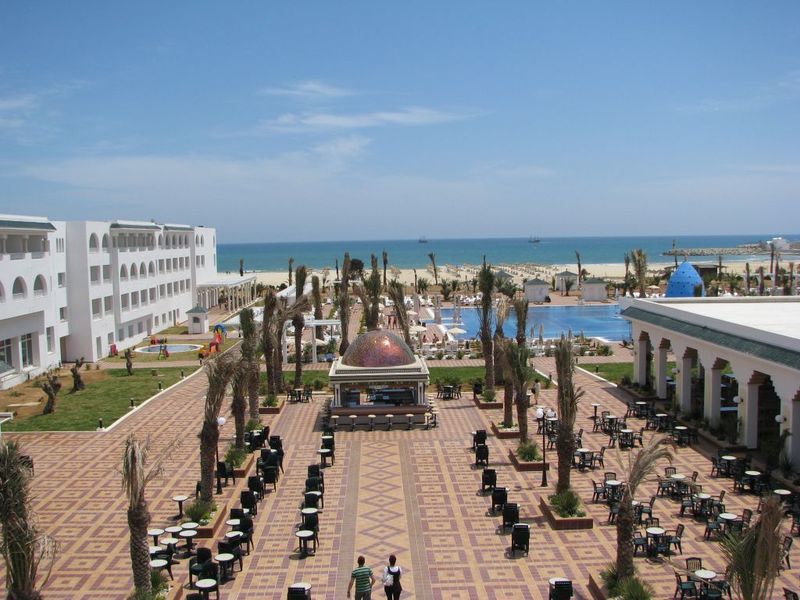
379	375
684	281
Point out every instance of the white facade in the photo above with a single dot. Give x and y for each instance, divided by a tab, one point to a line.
594	290
536	290
75	289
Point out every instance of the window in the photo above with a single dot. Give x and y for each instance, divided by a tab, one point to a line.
62	313
134	299
96	312
5	355
169	289
51	334
140	327
123	272
120	334
161	290
94	275
130	330
161	265
143	296
123	301
175	263
2	292
142	271
156	320
152	294
62	279
134	272
108	304
110	338
93	243
106	272
39	286
105	242
18	290
26	350
151	270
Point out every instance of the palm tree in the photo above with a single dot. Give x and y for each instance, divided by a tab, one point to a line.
249	359
316	301
568	398
754	556
521	306
397	296
486	285
344	303
268	346
639	258
239	382
241	267
370	295
422	285
640	465
298	322
448	287
432	256
291	263
22	546
568	284
627	274
521	375
385	257
578	259
500	315
219	372
135	477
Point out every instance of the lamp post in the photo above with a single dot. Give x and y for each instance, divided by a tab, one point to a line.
220	423
544	450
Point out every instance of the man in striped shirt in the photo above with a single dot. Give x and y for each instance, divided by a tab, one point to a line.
364	580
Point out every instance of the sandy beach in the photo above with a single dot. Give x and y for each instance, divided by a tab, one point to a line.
610	271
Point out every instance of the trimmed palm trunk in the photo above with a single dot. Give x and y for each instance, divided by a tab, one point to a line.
249	361
344	304
316	299
521	375
486	285
397	296
239	382
219	372
298	322
385	257
568	398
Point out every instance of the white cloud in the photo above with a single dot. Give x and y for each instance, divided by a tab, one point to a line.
321	121
19	102
506	171
307	90
768	94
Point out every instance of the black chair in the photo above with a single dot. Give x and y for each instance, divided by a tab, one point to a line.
210	571
790	595
198	563
311	523
785	549
520	538
225	471
248	501
246	529
256	485
298	592
238	513
639	542
499	498
686	587
226	547
488	480
510	514
675	537
482	455
561	590
478	438
269	475
310	500
314	470
275	442
599	492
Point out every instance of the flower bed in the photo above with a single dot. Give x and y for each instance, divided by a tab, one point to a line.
560	523
505	433
486	405
245	468
272	410
523	465
217	523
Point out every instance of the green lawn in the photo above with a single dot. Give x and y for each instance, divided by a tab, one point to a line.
107	396
614	372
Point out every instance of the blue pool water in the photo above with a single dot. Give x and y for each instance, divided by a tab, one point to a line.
595	321
171	348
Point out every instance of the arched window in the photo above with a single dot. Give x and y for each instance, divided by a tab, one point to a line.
105	242
196	240
150	240
152	270
186	240
202	240
160	241
39	286
134	273
93	243
19	289
123	272
2	293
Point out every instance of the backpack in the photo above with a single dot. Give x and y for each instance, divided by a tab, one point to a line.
396	579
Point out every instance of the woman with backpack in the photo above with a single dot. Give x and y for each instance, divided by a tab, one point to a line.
391	579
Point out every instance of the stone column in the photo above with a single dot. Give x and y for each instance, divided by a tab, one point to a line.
712	388
748	413
793	424
640	360
661	369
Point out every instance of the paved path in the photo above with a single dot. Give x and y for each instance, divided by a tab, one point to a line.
412	493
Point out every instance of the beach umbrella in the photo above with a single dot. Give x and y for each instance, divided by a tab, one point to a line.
320	342
418	329
456	331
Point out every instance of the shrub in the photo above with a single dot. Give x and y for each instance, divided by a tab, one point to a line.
489	395
460	354
439	355
529	451
502	425
318	384
235	456
199	511
548	383
630	588
252	425
567	504
270	400
625	380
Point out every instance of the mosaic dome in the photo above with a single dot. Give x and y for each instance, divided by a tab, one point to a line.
378	349
683	282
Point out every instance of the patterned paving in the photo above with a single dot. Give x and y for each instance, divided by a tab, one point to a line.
411	493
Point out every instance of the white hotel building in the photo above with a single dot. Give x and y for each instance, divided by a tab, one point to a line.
82	289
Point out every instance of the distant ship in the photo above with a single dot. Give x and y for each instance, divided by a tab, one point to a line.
533	240
423	240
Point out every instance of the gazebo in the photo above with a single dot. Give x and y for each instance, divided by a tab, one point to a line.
594	289
379	375
536	290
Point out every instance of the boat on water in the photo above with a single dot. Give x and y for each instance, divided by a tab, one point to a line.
533	240
423	240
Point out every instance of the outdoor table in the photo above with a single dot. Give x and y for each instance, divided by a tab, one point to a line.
705	575
327	437
170	541
447	392
324	453
180	500
155	532
727	518
613	487
157	564
595	405
232	535
233	522
654	533
298	394
301	584
682	434
640	406
782	494
309	511
728	458
660	418
190	525
626	437
554	580
753	475
703	501
173	530
677	476
582	452
304	535
204	585
188	535
225	561
154	549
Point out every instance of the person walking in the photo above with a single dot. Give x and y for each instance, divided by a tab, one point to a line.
537	389
363	579
391	579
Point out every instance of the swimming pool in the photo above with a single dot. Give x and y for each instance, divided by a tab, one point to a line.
171	348
602	321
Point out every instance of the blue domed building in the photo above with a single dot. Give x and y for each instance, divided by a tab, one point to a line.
684	281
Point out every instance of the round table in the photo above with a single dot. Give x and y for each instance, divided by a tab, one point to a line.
188	535
677	476
705	574
225	561
173	530
309	511
582	450
728	457
232	535
170	541
753	473
154	549
324	453
727	516
301	584
656	531
782	493
155	532
304	535
233	522
180	499
204	585
613	483
327	437
626	430
158	563
190	525
703	496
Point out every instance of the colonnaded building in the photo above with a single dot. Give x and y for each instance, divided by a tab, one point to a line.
72	289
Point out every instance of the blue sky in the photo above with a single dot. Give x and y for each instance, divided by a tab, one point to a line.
362	120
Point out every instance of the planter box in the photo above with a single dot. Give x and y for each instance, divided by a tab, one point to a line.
595	587
564	523
214	528
272	410
522	465
504	434
487	405
245	468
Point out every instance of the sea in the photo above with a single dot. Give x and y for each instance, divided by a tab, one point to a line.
407	254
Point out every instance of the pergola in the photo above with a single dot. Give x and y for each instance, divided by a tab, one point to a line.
240	292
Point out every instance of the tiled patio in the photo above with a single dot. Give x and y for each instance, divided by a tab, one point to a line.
411	493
